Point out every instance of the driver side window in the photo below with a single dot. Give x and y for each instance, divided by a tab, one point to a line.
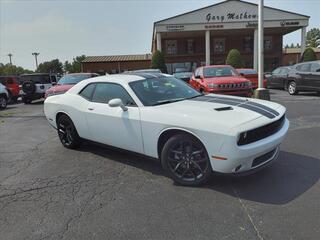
104	92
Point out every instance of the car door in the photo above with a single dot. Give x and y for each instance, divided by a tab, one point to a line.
283	75
112	125
273	80
303	80
315	76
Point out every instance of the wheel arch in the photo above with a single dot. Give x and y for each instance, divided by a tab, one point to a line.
4	95
166	134
60	113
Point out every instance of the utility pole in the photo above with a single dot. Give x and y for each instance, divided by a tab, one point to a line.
261	92
36	58
10	56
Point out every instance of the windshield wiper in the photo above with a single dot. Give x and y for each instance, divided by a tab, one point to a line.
195	96
168	101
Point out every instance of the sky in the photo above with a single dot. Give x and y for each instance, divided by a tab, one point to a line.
64	29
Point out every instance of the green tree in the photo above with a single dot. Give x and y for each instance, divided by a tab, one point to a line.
308	55
234	59
75	66
292	45
53	66
287	46
158	62
8	69
313	38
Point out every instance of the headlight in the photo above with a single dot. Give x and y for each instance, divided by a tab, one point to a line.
242	139
212	85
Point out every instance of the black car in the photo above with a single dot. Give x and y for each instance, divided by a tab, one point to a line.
304	77
277	79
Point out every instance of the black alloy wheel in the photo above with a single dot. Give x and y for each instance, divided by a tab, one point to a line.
67	132
185	160
292	88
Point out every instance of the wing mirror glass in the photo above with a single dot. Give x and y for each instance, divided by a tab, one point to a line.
117	102
197	76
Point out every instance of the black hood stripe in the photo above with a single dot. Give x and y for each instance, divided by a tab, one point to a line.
258	108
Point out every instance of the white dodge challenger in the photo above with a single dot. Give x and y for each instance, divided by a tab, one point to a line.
162	117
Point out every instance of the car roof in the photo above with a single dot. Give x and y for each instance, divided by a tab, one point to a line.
126	77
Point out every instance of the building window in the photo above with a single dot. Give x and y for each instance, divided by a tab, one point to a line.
190	46
268	43
171	47
248	44
219	45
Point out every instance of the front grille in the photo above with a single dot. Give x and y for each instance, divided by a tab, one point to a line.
265	157
261	132
233	85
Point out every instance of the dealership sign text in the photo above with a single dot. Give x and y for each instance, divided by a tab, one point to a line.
230	16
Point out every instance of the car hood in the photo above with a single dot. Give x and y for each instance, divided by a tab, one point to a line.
59	88
214	112
224	80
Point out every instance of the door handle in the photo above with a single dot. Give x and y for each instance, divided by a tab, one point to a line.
90	108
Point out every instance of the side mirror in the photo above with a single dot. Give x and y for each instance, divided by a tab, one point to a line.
242	74
54	83
117	102
197	76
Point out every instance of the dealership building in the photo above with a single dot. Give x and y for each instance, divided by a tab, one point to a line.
205	36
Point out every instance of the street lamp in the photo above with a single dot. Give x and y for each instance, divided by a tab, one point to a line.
10	56
35	54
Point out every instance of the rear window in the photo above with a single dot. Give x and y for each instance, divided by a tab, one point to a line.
42	79
304	67
247	71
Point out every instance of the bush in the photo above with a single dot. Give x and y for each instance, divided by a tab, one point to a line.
308	55
158	62
234	59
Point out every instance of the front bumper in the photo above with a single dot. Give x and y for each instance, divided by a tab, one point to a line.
243	159
234	92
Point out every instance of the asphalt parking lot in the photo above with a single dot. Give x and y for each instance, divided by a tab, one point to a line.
49	192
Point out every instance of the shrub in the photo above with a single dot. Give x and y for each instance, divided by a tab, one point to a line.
234	59
308	55
158	62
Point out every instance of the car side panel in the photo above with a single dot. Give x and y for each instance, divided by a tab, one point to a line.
73	106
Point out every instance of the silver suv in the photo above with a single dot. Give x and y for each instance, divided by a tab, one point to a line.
34	86
4	97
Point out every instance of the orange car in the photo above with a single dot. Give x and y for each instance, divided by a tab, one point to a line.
251	75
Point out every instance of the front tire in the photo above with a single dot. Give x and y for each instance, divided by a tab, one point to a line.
185	160
292	88
67	132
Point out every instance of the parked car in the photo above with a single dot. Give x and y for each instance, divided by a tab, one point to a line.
221	79
277	79
162	117
35	85
183	74
67	82
12	85
4	97
304	77
252	76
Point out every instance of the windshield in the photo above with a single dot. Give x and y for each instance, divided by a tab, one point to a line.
156	91
73	79
218	72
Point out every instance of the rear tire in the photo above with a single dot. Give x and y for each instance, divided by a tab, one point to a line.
26	100
292	88
185	160
3	102
67	132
